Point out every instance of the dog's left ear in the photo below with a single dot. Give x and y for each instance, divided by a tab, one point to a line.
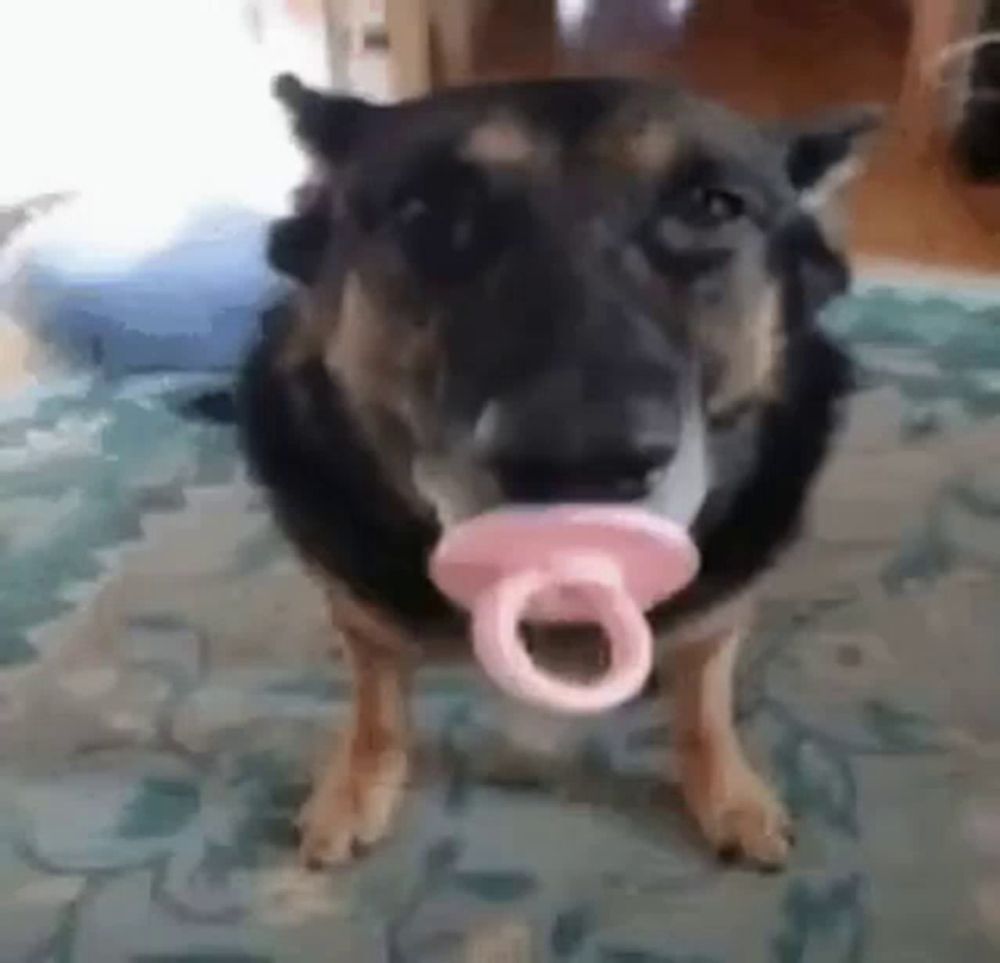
824	155
821	158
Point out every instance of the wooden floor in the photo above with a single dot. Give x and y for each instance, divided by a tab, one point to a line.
773	57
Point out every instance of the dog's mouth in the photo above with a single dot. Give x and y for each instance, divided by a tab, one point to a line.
458	488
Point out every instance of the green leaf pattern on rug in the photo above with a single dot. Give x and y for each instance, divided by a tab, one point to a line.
160	808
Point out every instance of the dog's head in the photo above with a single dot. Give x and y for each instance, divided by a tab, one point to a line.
547	291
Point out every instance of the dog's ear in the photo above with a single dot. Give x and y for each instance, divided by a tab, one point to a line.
824	155
821	158
328	129
327	126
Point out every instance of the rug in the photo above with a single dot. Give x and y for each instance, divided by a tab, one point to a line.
164	687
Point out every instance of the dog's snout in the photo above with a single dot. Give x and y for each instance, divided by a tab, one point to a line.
619	479
596	449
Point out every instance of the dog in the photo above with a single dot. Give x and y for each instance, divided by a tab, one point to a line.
526	293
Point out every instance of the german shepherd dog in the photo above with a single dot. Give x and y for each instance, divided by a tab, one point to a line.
526	293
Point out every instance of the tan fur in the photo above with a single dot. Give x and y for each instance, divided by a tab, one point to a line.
638	140
379	363
501	141
385	368
305	341
737	812
747	355
16	349
363	773
715	623
357	348
652	146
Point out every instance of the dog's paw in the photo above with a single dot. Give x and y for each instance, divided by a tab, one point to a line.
743	819
350	809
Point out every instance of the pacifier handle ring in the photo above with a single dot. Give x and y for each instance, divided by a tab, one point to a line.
501	648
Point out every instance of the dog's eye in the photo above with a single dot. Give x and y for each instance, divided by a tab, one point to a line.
445	224
704	206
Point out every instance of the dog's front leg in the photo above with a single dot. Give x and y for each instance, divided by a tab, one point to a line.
737	811
363	773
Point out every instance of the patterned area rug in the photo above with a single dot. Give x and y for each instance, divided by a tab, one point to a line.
163	687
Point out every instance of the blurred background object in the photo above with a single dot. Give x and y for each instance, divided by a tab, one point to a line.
932	195
143	159
156	118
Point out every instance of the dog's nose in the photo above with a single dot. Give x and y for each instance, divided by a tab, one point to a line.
624	478
594	451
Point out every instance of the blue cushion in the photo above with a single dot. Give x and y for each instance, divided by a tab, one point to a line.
129	285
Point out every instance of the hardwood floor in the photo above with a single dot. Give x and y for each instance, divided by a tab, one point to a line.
773	58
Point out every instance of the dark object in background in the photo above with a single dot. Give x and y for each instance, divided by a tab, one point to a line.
977	139
218	407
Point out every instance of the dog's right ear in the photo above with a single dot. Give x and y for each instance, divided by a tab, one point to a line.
327	126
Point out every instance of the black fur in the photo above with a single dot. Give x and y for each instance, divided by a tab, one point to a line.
326	488
328	125
831	142
295	245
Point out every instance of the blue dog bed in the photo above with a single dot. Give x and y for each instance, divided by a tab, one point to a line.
125	285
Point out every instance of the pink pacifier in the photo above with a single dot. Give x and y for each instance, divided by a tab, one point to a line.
569	564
